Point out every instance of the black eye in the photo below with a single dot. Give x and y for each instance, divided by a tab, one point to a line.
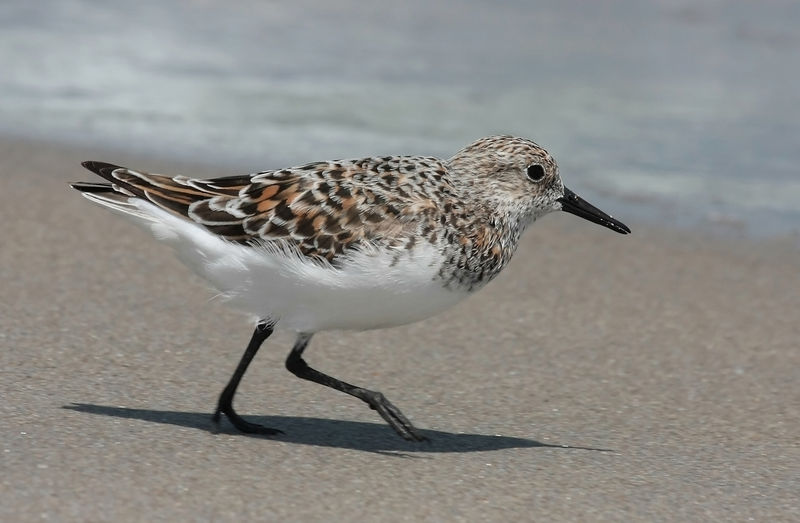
535	172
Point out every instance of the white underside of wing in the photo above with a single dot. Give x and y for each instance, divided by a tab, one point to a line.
371	290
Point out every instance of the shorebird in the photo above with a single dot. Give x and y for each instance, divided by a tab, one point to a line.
347	244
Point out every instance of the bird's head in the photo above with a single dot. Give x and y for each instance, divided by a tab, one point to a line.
516	176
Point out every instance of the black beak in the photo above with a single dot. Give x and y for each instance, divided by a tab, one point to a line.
574	204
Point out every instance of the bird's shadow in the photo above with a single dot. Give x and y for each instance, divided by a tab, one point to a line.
321	432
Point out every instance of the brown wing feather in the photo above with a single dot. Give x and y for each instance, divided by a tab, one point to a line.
322	209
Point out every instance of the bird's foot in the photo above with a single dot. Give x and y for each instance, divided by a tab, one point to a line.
240	424
392	415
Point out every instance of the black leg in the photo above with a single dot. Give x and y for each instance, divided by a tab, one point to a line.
225	405
297	366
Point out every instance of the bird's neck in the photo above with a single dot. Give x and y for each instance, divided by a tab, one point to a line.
485	241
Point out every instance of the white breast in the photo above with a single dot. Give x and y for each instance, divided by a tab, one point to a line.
371	290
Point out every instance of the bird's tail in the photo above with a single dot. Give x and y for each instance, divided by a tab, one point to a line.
112	197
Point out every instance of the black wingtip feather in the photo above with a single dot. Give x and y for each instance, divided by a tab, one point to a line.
101	168
92	187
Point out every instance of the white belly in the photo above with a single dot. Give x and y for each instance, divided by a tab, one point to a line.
304	296
368	292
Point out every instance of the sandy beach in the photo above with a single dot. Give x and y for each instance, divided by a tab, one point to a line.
600	377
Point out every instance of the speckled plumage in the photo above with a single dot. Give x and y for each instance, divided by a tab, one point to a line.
324	210
348	244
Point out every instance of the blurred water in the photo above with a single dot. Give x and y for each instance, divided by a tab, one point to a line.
684	112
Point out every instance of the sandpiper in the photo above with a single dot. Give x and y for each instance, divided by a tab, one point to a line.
347	244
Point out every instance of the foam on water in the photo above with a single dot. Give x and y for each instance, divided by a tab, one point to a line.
684	112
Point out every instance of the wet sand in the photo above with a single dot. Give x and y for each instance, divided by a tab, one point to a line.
647	377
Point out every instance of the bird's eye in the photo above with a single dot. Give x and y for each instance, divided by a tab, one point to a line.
535	173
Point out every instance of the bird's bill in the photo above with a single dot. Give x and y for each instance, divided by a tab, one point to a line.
574	204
